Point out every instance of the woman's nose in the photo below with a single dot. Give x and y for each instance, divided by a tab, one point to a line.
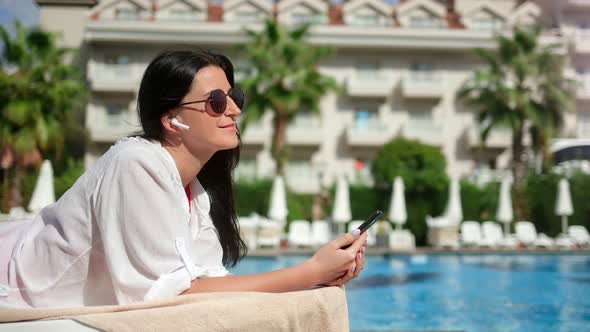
232	109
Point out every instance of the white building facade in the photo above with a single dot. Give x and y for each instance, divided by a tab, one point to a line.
400	65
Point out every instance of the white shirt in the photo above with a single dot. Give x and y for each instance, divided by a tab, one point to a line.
123	233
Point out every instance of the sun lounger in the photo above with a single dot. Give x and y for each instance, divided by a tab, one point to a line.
269	233
470	234
299	233
579	234
249	230
565	241
322	309
320	232
492	233
526	233
402	239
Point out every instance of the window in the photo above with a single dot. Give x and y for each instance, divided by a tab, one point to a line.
300	169
422	22
185	15
365	20
126	14
423	72
487	24
247	16
421	119
116	115
362	171
365	119
306	120
584	123
368	71
119	65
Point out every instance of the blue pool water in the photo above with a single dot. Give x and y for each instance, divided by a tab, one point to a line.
489	292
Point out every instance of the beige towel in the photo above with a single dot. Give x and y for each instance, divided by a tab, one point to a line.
321	309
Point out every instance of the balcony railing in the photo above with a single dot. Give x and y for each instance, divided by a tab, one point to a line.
497	138
427	132
378	86
114	77
582	40
109	128
583	87
368	133
256	134
423	85
305	134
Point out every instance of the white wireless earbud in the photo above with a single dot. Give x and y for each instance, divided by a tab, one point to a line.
175	122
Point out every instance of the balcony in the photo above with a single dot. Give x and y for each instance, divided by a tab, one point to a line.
256	134
583	92
114	78
304	135
582	40
426	132
579	4
302	177
377	87
108	128
368	134
423	85
497	138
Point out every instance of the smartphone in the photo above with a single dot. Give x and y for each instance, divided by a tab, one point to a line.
368	223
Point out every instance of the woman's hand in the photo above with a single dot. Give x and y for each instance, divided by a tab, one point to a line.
331	265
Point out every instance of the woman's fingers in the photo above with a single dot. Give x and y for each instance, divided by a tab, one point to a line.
357	244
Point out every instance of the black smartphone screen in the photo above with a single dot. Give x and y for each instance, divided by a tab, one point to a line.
370	221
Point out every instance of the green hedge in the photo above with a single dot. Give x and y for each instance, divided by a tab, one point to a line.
541	192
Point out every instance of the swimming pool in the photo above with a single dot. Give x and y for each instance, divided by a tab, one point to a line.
468	292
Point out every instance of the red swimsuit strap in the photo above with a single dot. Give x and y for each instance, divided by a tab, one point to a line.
187	190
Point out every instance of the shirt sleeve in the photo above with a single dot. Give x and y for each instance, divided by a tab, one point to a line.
144	229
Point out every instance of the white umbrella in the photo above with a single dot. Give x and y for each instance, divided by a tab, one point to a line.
397	207
564	206
454	211
504	213
341	211
44	193
277	209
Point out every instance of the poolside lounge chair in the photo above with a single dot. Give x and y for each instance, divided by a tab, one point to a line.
579	234
565	241
442	233
299	233
526	233
269	233
320	232
471	235
371	237
402	239
492	233
249	230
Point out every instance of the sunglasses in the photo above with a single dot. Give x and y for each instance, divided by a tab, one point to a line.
218	100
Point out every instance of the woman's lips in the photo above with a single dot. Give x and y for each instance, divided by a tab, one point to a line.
231	127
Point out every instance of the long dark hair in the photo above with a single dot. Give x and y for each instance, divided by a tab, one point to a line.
166	81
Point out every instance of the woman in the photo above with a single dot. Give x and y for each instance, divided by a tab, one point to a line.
155	215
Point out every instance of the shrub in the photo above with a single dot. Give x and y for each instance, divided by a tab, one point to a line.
254	196
422	167
541	191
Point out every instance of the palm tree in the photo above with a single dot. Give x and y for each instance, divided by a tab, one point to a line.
38	93
522	88
282	78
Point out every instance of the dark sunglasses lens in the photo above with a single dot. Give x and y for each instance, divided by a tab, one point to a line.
218	101
237	95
